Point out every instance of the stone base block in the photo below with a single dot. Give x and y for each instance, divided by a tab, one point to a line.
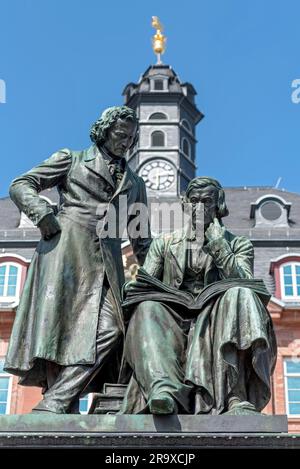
145	431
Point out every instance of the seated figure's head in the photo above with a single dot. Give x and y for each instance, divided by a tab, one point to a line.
209	192
116	130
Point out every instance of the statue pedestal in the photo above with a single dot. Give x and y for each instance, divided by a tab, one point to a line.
145	431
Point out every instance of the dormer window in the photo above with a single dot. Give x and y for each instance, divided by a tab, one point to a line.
159	83
270	210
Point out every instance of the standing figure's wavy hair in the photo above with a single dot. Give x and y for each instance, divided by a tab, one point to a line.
99	129
201	183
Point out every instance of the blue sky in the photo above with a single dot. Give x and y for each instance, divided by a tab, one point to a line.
64	61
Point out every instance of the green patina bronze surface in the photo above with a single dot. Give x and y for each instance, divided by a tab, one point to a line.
51	423
214	360
58	315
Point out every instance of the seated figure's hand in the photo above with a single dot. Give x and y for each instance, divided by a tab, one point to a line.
214	231
49	226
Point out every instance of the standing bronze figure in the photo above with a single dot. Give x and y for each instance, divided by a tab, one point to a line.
69	321
218	358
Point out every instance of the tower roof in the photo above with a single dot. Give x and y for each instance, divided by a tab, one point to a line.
172	90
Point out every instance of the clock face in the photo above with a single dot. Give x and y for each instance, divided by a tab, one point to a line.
158	174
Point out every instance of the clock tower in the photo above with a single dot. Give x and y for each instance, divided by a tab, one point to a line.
166	150
165	153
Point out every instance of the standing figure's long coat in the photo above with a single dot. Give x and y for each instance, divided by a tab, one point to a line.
59	308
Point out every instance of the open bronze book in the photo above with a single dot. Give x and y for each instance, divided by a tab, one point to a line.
145	288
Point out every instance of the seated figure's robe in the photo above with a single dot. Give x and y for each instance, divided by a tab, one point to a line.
204	357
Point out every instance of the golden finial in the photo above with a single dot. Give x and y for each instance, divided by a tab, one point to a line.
158	40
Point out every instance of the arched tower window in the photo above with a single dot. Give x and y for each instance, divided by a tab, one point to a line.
186	124
158	116
157	139
186	147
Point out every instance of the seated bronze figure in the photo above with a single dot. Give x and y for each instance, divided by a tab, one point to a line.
215	359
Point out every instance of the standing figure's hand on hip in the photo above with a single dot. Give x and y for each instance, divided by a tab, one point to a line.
49	226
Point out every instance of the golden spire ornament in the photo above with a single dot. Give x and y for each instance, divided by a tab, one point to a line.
158	40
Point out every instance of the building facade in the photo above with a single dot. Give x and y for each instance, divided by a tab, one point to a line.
165	156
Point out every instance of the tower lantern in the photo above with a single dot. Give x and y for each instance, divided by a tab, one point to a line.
165	153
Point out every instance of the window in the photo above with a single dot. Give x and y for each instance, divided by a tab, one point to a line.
290	281
157	139
84	403
186	147
158	116
5	390
185	124
158	85
271	210
292	386
9	280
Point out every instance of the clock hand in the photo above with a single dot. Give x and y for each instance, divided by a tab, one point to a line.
164	173
157	179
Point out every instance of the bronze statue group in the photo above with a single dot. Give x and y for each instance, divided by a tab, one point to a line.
71	335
